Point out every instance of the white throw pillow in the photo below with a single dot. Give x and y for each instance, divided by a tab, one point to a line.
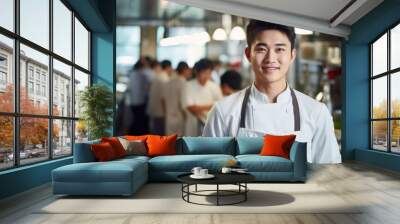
134	147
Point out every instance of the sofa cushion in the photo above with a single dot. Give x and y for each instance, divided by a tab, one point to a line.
257	163
103	152
161	145
112	171
134	147
275	145
185	163
116	145
206	145
249	145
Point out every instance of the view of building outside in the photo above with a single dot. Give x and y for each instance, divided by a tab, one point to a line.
34	99
35	119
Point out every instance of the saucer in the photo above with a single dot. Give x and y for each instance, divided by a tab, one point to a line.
208	176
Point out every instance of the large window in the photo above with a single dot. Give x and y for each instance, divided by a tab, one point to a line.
385	94
44	64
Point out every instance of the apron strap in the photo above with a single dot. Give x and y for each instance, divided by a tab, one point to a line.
296	110
295	103
244	104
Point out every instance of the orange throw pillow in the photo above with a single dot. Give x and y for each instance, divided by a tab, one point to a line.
161	145
103	152
136	137
116	145
277	145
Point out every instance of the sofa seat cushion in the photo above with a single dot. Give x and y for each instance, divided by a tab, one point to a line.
185	163
112	171
133	158
257	163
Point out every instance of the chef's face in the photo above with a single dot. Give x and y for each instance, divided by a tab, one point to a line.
270	55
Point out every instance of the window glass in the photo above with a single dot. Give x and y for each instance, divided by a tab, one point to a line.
30	58
379	56
379	98
379	135
6	142
81	131
81	45
62	138
183	51
7	14
34	21
395	47
62	29
395	136
128	47
33	140
6	74
81	82
62	89
395	95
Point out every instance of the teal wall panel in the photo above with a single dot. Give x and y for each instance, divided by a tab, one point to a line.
356	99
24	178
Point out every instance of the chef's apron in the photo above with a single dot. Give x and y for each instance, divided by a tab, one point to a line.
246	132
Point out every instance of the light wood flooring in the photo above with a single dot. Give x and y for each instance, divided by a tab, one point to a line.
378	188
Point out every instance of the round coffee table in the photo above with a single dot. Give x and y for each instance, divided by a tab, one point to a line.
238	179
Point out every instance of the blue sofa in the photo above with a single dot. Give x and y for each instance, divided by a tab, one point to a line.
125	176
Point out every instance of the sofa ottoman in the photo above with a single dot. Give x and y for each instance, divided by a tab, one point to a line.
119	177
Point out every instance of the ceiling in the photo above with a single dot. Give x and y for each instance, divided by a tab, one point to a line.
333	17
159	12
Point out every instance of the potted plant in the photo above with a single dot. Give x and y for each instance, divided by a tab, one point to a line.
96	102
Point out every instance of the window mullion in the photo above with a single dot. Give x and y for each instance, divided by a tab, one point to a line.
16	84
73	82
371	140
50	81
389	93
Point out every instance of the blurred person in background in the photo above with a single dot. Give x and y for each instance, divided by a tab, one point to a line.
136	96
199	95
231	82
218	70
172	100
155	109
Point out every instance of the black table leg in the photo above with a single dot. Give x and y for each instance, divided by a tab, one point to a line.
217	194
245	193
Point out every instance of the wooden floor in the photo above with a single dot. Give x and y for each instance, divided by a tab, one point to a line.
378	188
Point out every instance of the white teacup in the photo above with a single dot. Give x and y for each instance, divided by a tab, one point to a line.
226	170
203	172
196	170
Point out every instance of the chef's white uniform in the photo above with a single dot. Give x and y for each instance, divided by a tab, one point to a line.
263	117
174	113
196	94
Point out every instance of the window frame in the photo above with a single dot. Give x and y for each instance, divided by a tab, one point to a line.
16	114
388	74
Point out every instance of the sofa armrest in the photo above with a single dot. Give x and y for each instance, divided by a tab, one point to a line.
298	155
83	152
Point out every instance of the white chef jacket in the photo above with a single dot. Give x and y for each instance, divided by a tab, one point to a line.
196	94
264	117
174	113
154	106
